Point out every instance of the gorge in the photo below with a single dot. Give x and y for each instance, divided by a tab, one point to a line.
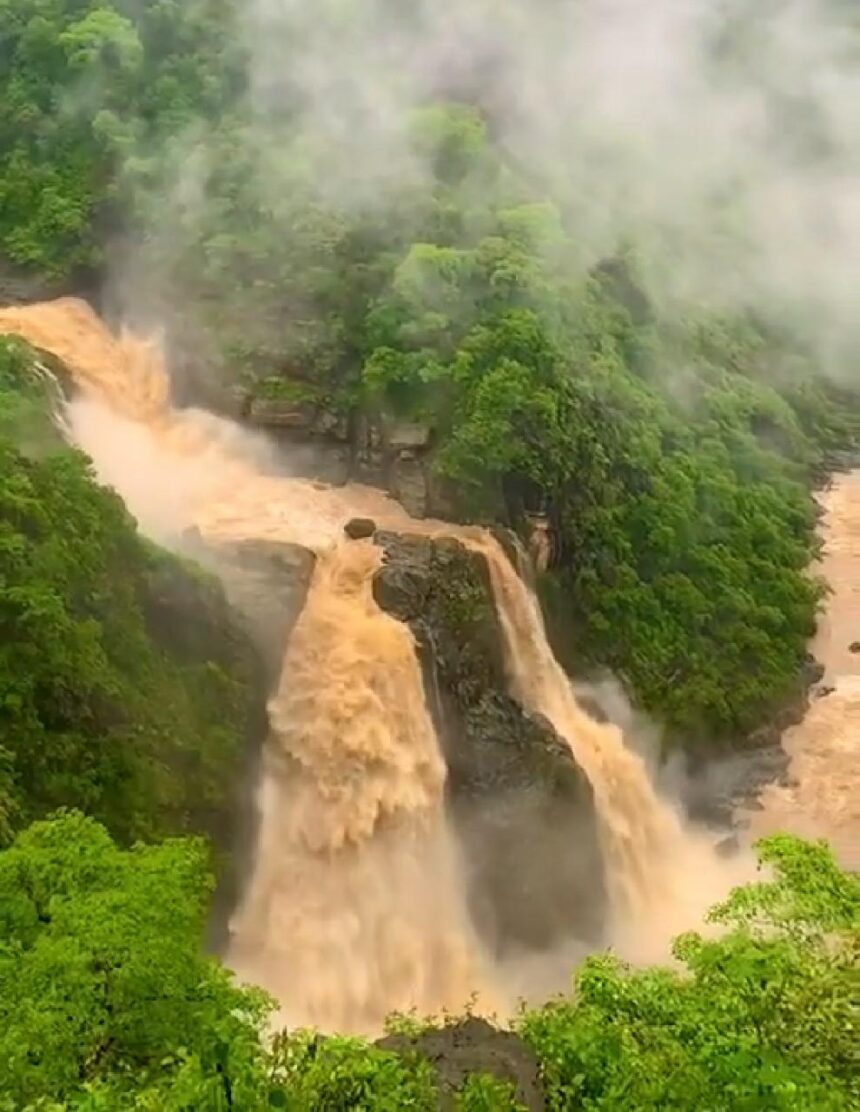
386	875
429	555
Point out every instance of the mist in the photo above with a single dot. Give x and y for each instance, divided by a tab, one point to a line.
717	141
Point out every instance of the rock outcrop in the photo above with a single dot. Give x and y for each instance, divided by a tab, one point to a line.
192	619
522	809
19	286
371	449
718	787
266	583
459	1051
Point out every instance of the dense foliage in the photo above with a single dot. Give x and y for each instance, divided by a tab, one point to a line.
440	280
444	281
107	1003
126	689
676	478
86	89
763	1017
101	970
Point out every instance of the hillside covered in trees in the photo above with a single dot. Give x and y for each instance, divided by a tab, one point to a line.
107	998
323	216
442	280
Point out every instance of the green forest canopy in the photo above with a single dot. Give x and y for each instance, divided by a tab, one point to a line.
107	1003
674	454
674	451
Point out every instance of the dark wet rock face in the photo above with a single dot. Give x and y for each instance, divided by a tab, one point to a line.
522	809
267	583
19	286
364	447
473	1046
718	787
192	617
407	482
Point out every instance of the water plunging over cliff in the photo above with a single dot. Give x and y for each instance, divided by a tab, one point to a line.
661	876
356	905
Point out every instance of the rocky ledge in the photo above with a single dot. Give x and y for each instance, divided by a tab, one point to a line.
266	582
522	809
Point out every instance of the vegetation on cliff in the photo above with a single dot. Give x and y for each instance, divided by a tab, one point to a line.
107	1003
673	449
126	688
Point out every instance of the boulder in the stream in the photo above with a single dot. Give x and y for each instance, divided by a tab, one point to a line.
360	528
522	809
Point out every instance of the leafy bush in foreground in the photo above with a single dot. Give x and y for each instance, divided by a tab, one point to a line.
763	1017
106	1002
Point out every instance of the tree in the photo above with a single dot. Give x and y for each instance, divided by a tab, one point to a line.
101	973
126	686
87	91
761	1017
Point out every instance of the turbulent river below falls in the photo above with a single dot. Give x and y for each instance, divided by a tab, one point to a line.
356	904
822	796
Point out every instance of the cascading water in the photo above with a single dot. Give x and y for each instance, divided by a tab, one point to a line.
662	876
356	905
